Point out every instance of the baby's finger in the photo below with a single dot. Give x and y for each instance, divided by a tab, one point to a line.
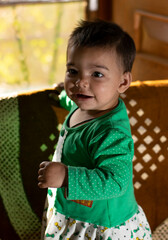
43	164
40	171
42	185
40	178
41	182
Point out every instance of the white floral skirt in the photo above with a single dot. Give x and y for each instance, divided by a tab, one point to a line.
62	228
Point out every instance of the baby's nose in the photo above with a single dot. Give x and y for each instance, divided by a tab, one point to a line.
81	82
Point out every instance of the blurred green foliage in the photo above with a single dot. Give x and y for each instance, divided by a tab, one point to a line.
33	40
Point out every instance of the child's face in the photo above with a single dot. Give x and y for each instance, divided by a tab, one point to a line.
94	78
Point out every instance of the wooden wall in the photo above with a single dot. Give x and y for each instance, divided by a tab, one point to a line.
147	23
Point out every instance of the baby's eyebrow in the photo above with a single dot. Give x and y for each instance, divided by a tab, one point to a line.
101	66
70	64
94	65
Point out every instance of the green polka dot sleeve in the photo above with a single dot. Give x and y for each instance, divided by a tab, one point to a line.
111	153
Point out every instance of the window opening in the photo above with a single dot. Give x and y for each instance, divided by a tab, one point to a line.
33	39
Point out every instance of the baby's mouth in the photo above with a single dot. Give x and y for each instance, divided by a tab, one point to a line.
82	96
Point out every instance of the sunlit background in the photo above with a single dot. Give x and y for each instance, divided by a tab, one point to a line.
33	41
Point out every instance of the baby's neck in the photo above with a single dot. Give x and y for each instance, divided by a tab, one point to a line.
79	117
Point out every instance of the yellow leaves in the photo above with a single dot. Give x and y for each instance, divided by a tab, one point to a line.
33	42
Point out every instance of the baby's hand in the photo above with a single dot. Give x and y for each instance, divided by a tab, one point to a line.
52	174
58	89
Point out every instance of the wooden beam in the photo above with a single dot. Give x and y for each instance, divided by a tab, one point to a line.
4	3
105	10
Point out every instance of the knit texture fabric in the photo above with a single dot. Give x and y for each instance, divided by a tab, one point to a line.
28	136
23	219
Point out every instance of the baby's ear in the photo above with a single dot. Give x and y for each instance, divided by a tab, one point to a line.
125	82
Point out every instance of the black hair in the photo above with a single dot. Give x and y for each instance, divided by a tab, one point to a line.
99	33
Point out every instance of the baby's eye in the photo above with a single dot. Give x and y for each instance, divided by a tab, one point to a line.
72	71
97	74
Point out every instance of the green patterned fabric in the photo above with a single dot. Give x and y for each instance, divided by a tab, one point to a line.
23	219
28	136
